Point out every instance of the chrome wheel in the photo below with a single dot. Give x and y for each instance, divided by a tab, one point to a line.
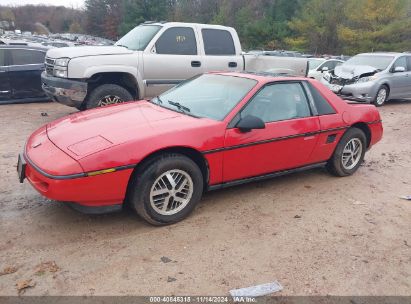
171	192
352	153
381	96
108	100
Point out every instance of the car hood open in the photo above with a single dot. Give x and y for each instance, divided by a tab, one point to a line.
82	51
351	71
84	133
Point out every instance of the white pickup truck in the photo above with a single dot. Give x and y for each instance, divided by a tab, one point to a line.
150	59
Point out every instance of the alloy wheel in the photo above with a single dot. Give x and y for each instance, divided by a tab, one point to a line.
352	153
171	192
381	96
108	100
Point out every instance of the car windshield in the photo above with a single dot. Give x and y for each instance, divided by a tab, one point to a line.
139	37
209	95
314	63
378	62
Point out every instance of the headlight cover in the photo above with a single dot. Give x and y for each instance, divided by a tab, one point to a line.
63	62
60	72
367	78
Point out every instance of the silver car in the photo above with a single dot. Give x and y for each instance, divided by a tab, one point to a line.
372	77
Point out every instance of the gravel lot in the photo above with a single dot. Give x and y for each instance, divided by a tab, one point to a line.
314	233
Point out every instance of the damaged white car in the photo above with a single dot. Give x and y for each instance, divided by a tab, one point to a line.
372	77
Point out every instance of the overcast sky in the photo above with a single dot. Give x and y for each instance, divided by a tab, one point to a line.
68	3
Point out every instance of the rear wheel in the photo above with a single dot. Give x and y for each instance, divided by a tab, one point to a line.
167	189
349	153
107	94
382	96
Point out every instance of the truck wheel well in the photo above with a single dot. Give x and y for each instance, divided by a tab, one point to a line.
125	80
364	127
193	154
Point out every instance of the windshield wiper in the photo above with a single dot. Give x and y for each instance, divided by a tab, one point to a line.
179	106
122	45
159	101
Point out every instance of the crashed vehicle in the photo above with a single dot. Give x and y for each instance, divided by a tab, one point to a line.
372	77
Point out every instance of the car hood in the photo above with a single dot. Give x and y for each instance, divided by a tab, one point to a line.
85	133
82	51
351	71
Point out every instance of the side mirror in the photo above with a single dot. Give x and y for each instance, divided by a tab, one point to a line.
249	123
399	69
324	69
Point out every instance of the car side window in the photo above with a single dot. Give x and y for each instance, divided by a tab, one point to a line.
321	104
276	102
400	62
218	42
23	57
177	41
2	57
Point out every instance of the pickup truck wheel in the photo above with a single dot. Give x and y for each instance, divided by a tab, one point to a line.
107	94
382	96
349	154
166	190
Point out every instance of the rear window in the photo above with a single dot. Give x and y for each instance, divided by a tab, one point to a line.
322	105
218	42
23	57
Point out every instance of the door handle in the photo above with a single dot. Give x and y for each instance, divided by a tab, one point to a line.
4	92
195	64
232	64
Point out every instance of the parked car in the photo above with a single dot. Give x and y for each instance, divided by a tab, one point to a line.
20	73
214	131
149	60
325	66
372	77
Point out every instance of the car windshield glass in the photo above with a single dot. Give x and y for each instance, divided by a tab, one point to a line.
314	63
378	62
211	96
139	37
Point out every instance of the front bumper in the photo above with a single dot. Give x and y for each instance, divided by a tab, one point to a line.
65	91
361	92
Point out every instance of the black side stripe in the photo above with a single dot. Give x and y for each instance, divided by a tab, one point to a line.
71	176
273	140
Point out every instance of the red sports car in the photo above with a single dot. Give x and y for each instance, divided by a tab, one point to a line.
213	131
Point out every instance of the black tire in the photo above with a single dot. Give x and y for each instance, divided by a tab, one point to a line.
97	96
335	164
382	90
143	181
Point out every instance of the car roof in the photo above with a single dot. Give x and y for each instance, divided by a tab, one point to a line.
382	54
260	76
30	47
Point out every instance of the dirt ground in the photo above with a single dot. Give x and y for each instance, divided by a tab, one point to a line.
314	233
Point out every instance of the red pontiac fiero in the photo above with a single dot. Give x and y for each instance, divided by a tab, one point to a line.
213	131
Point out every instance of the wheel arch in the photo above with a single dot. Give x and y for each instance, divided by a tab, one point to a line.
366	129
191	153
124	79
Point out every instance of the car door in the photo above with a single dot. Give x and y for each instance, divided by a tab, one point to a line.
5	88
400	81
173	57
220	51
26	66
289	137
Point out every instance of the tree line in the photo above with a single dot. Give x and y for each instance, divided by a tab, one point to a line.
315	26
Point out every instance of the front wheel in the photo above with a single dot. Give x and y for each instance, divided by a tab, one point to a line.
107	94
167	189
349	153
382	96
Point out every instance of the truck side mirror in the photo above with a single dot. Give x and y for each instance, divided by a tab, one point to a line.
249	123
